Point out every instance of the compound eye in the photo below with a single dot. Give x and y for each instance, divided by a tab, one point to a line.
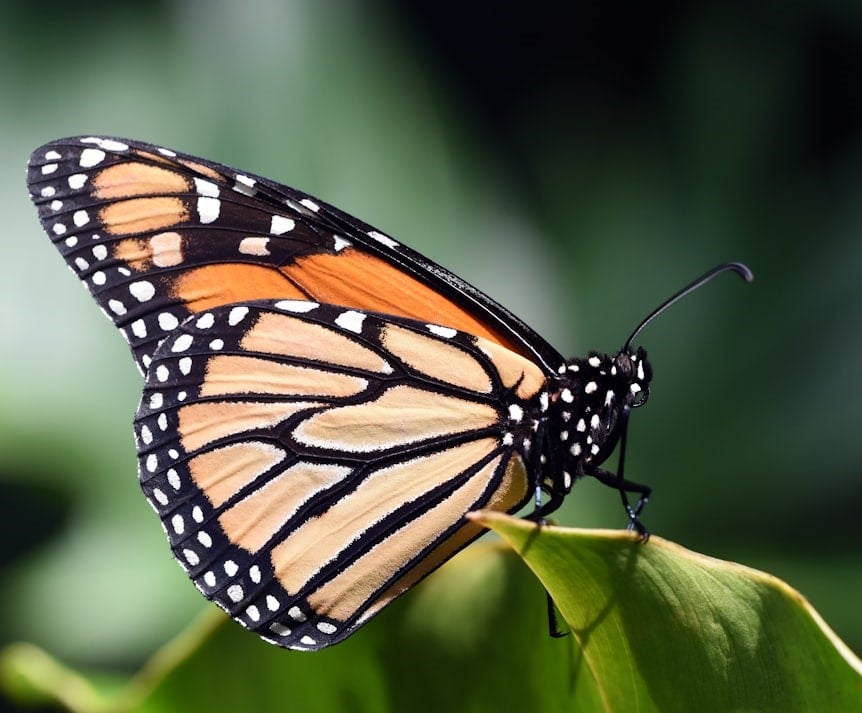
641	398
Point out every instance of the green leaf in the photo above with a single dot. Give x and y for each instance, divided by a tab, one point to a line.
661	628
655	628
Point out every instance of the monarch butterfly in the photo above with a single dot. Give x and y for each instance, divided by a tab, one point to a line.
322	405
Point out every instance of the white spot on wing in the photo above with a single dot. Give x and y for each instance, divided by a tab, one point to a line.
206	188
167	321
139	328
205	321
182	343
178	524
142	291
281	225
77	180
107	144
91	157
244	185
351	320
208	209
381	238
298	306
339	243
440	331
237	315
254	246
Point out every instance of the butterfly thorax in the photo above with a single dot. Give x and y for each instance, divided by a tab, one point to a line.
587	405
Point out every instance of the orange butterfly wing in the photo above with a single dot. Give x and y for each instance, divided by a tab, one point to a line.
157	235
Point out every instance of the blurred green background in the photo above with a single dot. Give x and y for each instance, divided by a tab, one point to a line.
579	168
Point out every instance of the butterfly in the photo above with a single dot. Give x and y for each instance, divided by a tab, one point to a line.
322	405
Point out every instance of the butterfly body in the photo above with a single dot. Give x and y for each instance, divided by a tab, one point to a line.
322	405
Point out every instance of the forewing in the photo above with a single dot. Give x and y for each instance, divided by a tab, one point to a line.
157	235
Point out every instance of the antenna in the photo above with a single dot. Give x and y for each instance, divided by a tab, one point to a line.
742	270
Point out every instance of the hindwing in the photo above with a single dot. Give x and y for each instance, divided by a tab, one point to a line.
311	462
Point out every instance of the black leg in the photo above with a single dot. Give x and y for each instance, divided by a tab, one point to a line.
553	620
613	480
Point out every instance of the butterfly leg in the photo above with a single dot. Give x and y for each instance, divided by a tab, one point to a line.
615	481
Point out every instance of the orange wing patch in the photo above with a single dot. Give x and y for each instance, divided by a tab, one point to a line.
139	215
342	279
124	180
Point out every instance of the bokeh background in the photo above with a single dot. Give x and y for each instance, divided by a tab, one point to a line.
577	165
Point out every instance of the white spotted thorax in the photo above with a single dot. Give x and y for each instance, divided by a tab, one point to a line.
587	406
